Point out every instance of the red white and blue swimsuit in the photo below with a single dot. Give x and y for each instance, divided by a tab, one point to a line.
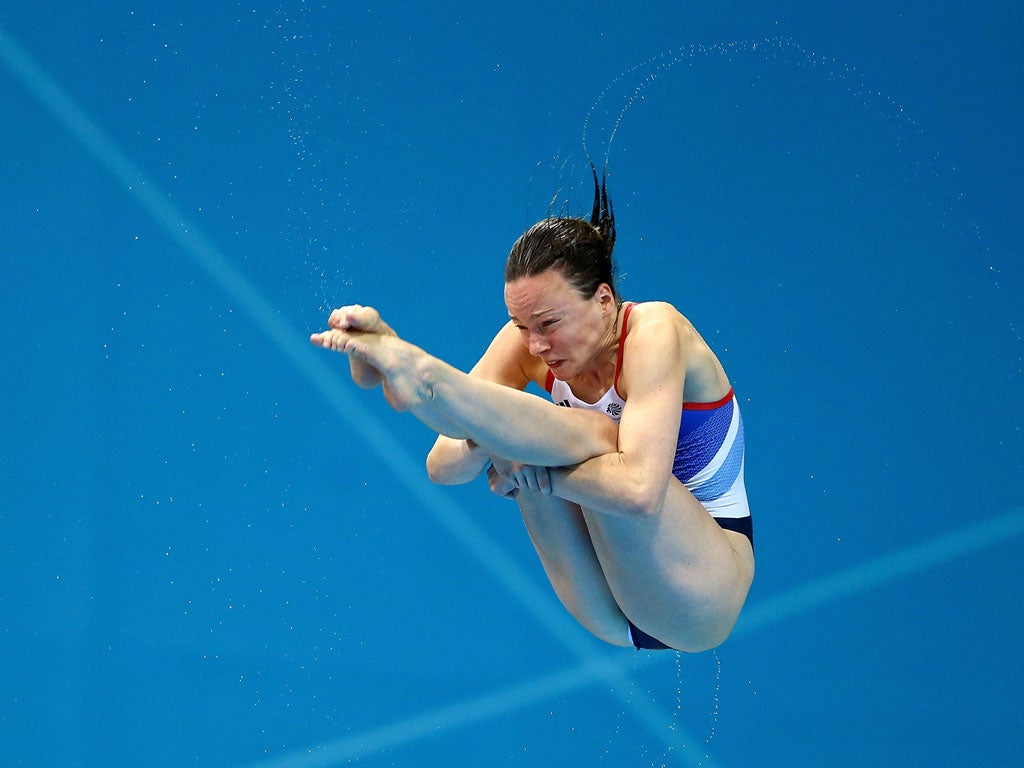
709	451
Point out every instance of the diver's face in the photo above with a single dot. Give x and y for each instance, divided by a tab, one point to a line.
558	325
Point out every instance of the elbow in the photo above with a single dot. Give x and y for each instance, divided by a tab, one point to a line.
644	500
440	477
643	509
446	466
437	471
641	490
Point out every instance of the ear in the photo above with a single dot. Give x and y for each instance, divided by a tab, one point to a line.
605	297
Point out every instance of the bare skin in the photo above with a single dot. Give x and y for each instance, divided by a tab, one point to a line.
617	534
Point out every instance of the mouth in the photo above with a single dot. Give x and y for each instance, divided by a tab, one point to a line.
554	365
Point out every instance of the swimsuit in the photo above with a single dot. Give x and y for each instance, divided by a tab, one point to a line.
708	459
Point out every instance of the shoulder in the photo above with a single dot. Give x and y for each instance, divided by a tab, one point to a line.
507	361
664	346
655	348
657	322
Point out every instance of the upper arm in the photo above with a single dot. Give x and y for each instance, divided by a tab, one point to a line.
653	374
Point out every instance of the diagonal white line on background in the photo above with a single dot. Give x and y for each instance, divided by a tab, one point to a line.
423	725
593	668
341	396
887	568
913	559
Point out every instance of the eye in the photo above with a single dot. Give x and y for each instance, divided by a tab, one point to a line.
548	323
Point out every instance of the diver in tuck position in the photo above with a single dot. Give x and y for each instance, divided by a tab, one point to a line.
632	495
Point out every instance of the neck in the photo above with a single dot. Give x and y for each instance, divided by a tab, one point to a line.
600	373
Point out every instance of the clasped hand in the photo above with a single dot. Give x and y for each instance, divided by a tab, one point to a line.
507	478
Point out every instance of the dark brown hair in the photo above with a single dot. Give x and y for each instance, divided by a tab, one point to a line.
580	249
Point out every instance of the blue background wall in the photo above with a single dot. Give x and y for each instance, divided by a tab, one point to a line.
216	551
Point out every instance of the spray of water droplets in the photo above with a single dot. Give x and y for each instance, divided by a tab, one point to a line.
632	84
922	166
714	705
607	116
304	47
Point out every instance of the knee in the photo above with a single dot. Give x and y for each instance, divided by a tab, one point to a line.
608	624
696	637
611	631
709	636
695	628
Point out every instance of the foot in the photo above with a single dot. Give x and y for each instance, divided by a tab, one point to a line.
377	355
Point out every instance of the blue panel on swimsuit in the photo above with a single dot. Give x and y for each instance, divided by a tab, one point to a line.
701	434
724	478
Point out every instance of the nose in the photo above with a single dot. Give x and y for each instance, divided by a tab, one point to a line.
537	345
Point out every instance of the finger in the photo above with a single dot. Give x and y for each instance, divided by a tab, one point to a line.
493	479
528	480
501	488
501	485
534	478
507	490
544	481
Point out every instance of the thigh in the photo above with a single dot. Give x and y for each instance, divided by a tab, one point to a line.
676	574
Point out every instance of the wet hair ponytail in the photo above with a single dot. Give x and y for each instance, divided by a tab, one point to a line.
581	250
603	217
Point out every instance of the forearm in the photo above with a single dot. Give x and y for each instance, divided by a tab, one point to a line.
610	485
453	462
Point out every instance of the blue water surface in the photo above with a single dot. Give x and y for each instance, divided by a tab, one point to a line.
216	551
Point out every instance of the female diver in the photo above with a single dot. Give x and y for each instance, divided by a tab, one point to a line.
632	495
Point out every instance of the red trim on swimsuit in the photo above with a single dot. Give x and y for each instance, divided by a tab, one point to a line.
622	344
687	406
709	406
550	379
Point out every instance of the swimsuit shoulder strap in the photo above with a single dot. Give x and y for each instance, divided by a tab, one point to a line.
622	343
